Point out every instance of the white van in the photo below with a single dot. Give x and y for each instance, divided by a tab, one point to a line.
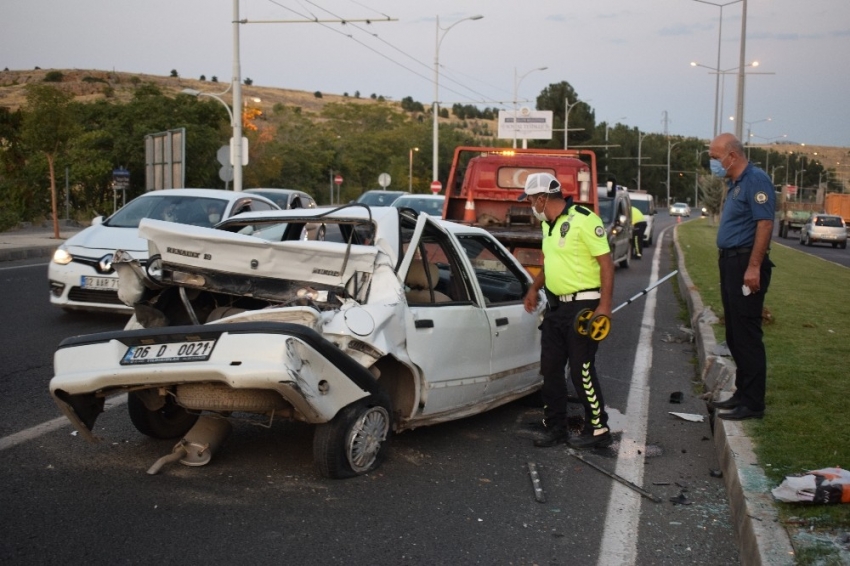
645	202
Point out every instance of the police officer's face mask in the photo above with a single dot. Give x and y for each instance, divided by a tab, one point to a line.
539	215
717	168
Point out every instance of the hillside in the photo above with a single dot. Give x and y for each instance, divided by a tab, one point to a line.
91	85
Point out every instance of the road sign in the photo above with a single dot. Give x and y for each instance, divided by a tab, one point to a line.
384	180
337	179
436	187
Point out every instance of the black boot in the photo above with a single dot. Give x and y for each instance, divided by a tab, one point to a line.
552	436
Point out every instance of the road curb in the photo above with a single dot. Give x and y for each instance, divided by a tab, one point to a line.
761	537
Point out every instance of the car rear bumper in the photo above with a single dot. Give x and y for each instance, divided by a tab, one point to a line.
308	372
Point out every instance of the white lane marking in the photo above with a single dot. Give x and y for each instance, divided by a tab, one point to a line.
41	429
622	519
23	266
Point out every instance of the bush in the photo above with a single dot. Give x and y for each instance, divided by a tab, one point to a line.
248	81
318	94
90	79
54	77
174	73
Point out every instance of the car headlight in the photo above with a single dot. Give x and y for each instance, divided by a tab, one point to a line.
62	257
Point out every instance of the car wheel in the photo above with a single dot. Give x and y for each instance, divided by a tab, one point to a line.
783	231
842	245
170	421
355	441
834	244
808	240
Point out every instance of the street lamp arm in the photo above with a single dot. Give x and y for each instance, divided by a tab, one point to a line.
198	94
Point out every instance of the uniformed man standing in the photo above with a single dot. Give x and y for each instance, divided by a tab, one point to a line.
639	227
743	241
578	273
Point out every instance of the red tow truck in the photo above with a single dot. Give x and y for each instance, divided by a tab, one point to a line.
485	182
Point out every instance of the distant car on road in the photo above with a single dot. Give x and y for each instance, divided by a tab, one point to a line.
81	275
679	209
379	197
826	229
288	199
285	198
616	214
429	204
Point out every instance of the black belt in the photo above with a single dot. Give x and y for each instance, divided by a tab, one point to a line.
732	252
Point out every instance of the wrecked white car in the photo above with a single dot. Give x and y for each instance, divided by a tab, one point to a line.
394	321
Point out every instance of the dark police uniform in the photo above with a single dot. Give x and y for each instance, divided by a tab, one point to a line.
570	247
750	198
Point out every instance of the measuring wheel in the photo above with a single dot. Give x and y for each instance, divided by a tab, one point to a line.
597	327
582	319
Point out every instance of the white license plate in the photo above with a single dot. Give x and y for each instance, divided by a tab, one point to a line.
197	351
99	283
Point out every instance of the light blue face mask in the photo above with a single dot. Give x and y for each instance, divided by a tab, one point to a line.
717	169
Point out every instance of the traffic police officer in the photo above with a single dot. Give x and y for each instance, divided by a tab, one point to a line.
577	274
743	240
639	225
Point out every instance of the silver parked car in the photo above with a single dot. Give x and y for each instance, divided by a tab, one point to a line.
824	228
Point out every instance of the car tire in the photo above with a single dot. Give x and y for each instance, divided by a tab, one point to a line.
170	421
355	441
842	245
783	231
808	240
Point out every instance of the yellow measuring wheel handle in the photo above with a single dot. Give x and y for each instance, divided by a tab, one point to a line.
598	327
582	320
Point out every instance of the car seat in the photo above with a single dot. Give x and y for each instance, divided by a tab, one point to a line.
421	285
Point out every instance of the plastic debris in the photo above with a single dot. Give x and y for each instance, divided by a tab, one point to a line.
680	499
689	417
827	485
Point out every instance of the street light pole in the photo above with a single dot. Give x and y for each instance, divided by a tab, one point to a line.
749	132
236	142
640	145
717	79
569	107
516	91
669	149
435	109
739	109
410	170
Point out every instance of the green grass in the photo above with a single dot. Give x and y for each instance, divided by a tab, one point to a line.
807	423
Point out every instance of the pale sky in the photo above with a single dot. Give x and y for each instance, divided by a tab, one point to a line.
630	59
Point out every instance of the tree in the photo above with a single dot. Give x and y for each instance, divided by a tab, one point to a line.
582	118
48	126
248	81
174	73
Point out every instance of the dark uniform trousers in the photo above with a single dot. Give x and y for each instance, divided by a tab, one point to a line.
743	326
561	344
639	229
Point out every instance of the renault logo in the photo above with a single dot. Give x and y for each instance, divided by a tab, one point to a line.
105	263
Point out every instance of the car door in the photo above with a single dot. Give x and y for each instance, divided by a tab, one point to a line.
515	336
448	333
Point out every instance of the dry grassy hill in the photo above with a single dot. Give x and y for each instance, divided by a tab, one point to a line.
90	85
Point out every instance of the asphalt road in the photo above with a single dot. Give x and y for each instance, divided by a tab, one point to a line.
457	493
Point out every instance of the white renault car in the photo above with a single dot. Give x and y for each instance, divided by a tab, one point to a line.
407	321
81	275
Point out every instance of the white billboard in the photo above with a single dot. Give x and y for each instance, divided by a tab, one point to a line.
525	124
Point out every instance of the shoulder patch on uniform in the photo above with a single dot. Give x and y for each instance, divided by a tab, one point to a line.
600	231
761	197
582	210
